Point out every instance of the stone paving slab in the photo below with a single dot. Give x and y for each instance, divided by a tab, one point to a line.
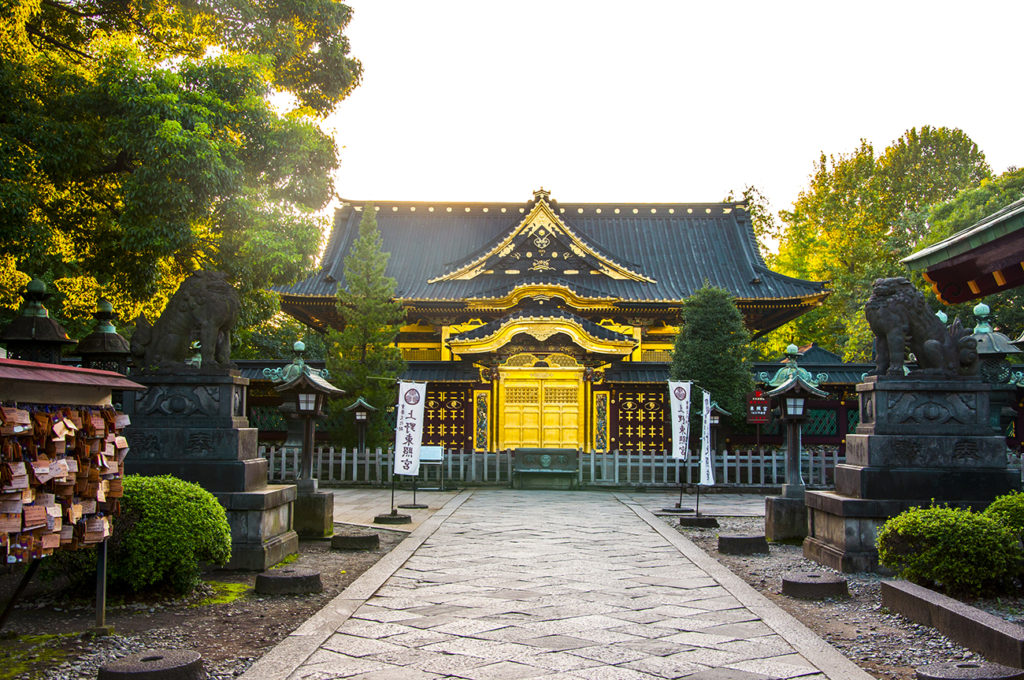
536	584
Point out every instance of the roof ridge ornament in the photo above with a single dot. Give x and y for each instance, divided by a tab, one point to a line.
541	242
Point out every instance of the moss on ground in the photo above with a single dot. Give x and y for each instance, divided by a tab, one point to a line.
224	593
28	656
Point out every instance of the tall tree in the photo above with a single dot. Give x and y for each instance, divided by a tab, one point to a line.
363	358
859	216
713	349
140	141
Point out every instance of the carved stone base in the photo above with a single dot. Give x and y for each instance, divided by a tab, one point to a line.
194	427
918	440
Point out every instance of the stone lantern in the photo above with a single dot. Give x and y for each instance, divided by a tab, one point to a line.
786	516
104	348
33	335
309	390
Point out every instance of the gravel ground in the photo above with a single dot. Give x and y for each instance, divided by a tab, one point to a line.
886	645
43	638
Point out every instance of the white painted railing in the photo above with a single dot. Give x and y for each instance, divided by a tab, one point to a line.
760	467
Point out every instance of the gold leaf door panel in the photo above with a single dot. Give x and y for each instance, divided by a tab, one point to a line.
541	409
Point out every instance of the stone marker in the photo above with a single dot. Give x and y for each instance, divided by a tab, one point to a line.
699	522
289	581
392	518
968	670
814	586
161	664
742	545
355	541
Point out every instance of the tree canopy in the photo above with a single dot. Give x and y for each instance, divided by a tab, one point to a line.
860	215
712	349
142	140
362	356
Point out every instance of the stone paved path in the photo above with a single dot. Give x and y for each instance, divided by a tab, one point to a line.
513	584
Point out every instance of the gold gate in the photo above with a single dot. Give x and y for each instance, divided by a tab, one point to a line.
541	403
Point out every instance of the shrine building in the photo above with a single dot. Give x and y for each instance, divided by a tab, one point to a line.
551	325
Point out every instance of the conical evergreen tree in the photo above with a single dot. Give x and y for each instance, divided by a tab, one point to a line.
713	350
364	350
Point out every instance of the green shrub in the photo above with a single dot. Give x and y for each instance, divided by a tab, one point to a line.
167	528
963	553
1008	510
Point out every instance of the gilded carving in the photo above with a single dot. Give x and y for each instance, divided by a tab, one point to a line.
601	426
480	441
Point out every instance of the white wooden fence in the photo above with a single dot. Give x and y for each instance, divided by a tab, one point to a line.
756	468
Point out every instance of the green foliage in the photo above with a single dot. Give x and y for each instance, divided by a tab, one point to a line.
167	528
364	350
961	552
224	592
273	339
860	215
1008	510
713	349
140	143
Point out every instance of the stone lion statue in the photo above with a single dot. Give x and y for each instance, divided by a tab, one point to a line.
901	320
204	308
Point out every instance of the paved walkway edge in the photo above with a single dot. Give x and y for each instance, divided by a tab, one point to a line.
805	641
281	661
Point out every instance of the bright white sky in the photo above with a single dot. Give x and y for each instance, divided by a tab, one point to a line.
661	101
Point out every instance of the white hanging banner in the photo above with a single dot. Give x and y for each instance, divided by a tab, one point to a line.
409	427
679	399
707	462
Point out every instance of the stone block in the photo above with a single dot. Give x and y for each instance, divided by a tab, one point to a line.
784	518
742	545
900	450
980	485
158	664
289	581
968	670
814	586
924	407
265	554
314	514
215	476
992	637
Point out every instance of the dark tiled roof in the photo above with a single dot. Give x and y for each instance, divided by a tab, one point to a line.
637	372
678	246
590	327
441	371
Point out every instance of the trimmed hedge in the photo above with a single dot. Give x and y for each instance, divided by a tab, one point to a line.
1008	510
961	552
169	527
166	530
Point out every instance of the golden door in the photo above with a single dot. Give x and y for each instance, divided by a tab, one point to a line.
541	409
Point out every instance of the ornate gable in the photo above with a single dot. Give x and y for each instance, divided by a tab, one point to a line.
541	244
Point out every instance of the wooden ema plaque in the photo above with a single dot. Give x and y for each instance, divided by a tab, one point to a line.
61	472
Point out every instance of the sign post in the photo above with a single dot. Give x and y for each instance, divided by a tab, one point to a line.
679	393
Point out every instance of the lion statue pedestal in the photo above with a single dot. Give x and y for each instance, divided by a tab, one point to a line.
191	423
923	435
